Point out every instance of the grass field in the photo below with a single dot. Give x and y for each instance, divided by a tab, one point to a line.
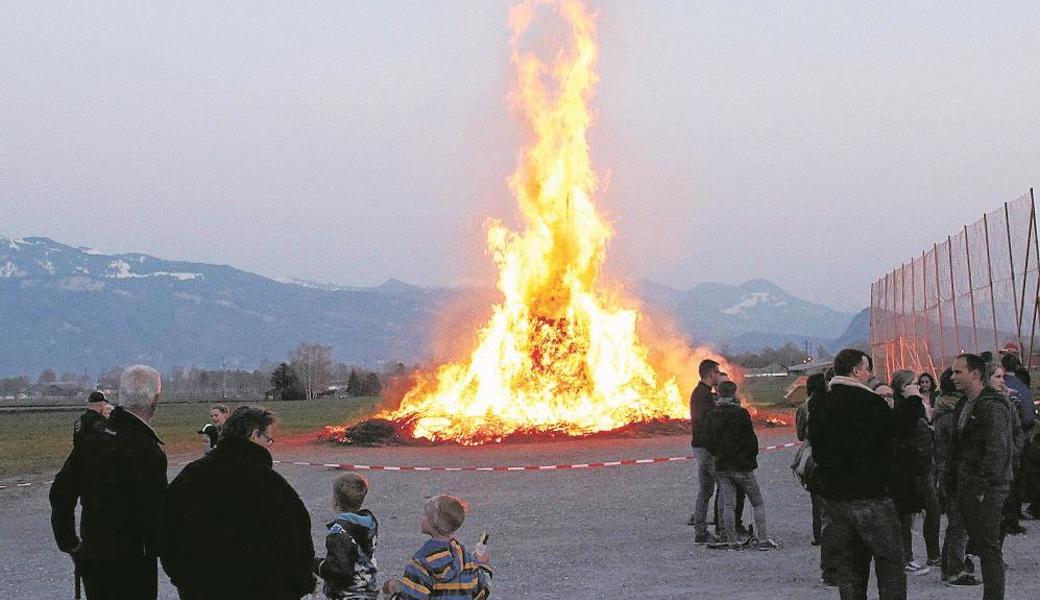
35	444
767	391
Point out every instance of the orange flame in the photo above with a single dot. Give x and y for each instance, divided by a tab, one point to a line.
558	353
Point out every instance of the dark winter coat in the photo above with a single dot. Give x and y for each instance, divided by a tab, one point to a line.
118	474
914	456
232	527
349	568
702	401
87	422
730	437
944	423
982	452
851	432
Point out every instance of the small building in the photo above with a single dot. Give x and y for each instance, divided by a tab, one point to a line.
810	367
796	393
772	370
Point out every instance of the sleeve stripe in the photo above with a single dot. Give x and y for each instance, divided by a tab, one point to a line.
418	587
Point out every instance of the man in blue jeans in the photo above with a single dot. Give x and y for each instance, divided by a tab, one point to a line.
851	437
978	474
701	403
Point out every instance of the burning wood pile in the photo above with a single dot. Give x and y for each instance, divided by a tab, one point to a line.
560	354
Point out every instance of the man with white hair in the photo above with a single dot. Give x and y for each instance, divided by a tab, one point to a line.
118	475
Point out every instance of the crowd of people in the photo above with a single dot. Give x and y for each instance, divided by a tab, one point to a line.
876	455
229	526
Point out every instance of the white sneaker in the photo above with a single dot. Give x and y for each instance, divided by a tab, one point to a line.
912	568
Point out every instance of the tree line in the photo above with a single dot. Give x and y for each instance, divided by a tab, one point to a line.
308	372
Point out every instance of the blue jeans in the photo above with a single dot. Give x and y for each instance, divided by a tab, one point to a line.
862	530
729	483
705	465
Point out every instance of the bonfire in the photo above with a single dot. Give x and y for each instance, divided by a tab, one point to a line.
560	354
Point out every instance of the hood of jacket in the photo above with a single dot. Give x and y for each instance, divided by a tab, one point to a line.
360	525
945	404
849	381
443	559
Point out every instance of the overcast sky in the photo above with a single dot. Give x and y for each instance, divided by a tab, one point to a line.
815	144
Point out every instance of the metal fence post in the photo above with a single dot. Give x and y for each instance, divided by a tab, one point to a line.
953	297
938	304
989	270
1036	296
971	293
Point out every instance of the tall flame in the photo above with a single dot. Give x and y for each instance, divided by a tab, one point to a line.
558	353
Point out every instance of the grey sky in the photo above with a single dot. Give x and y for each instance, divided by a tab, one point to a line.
814	144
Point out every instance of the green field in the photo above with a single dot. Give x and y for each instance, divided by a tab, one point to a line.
767	391
35	444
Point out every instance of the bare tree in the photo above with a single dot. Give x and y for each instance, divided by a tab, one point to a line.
312	363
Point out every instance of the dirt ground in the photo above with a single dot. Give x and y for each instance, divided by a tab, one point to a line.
616	532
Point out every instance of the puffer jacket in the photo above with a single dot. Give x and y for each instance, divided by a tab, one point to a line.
349	567
983	450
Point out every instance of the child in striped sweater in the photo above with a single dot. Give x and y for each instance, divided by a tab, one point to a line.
442	568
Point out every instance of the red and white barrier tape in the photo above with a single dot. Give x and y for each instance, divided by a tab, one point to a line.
356	467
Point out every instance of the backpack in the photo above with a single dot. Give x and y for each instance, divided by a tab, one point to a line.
803	466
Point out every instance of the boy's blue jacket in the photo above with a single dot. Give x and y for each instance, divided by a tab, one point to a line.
349	567
443	569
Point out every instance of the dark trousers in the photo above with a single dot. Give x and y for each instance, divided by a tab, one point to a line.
828	568
932	516
817	517
982	521
119	578
955	542
906	535
861	530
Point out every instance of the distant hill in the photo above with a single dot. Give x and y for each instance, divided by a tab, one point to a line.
747	317
74	309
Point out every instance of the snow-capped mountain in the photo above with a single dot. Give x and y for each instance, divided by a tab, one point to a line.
723	314
72	309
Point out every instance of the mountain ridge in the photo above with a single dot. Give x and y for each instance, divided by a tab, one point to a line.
74	308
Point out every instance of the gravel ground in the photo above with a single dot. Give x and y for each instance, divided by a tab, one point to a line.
615	532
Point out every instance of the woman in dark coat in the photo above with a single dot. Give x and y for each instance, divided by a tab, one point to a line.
914	479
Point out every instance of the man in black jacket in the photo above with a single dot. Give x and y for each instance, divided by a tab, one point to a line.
701	402
730	438
978	472
94	417
232	527
851	437
117	472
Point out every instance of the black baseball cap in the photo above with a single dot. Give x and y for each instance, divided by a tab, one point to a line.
97	396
